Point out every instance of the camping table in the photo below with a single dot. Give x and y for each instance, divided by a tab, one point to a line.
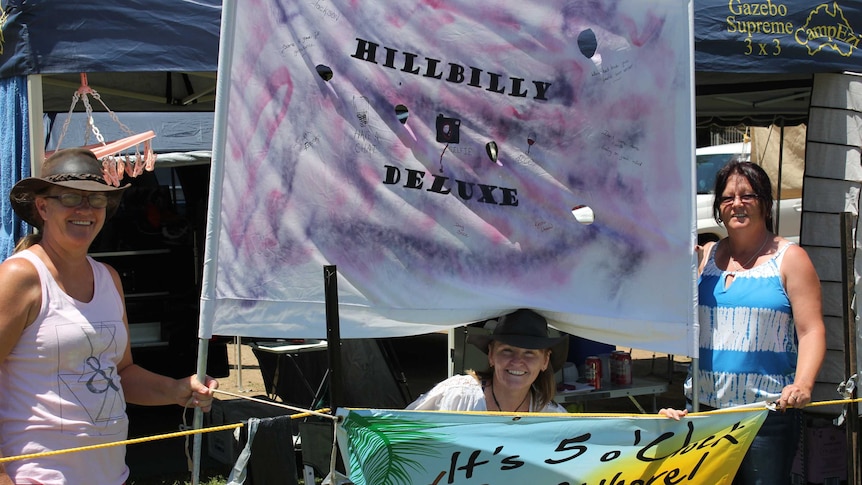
640	387
289	350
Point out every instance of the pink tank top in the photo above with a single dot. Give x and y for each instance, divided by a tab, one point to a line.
59	387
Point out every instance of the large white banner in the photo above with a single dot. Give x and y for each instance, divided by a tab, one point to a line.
433	152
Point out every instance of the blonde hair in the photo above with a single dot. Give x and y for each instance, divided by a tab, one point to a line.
27	241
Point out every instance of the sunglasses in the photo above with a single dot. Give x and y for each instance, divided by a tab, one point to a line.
96	201
744	198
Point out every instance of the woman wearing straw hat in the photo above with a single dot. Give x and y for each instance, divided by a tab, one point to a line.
522	359
66	367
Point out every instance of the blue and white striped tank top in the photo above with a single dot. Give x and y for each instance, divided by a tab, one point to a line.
748	342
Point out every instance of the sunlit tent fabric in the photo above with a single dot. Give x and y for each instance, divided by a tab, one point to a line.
434	153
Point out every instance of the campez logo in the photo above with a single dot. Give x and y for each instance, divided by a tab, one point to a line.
828	27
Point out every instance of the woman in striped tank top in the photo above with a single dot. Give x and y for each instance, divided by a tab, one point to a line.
762	336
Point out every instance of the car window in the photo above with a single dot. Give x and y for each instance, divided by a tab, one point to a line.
707	166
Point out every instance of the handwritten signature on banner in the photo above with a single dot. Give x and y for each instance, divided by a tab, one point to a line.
388	447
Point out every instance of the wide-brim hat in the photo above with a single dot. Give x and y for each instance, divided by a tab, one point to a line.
75	168
526	329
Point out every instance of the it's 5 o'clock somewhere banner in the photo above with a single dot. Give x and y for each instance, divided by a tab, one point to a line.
385	447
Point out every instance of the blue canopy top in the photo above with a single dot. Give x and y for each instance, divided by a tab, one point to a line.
61	36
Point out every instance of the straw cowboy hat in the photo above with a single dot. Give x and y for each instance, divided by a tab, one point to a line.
528	330
75	168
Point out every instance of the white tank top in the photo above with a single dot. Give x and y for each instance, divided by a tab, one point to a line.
59	387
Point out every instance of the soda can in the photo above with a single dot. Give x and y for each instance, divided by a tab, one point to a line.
625	369
615	364
593	371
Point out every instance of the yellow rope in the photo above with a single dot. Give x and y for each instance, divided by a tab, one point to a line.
120	443
749	409
320	412
144	439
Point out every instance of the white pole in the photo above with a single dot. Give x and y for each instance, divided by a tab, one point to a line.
207	311
36	121
695	354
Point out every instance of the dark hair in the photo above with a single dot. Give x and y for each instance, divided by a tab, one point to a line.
544	388
759	181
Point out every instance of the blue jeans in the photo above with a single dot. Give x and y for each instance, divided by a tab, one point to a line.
770	457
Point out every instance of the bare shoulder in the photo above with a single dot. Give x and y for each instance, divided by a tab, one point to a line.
20	296
796	263
794	253
18	272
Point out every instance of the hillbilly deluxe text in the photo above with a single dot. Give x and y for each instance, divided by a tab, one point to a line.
430	67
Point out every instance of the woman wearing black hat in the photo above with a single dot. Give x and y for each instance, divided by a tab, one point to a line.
66	368
522	359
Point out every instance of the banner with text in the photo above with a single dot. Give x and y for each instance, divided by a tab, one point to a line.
774	36
455	161
414	447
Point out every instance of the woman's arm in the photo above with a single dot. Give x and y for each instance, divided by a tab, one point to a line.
20	301
803	288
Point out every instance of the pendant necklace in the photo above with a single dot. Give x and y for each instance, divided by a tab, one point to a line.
753	256
494	395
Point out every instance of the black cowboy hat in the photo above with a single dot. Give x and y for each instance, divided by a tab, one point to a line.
75	168
526	329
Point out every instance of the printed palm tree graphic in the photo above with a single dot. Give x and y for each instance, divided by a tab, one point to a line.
382	448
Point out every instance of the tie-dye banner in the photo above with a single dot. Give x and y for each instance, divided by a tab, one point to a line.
454	161
436	448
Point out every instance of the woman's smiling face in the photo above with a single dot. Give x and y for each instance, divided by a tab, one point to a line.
516	366
736	209
80	223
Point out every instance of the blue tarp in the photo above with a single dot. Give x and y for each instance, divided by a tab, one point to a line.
62	36
14	156
175	131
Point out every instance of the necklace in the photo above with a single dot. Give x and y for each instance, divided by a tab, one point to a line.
494	395
753	256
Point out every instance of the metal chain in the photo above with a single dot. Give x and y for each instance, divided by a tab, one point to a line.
114	165
113	115
90	123
75	98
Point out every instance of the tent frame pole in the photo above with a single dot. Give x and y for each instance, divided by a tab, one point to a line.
850	363
333	337
207	310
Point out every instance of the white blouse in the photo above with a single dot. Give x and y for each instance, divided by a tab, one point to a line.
463	393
